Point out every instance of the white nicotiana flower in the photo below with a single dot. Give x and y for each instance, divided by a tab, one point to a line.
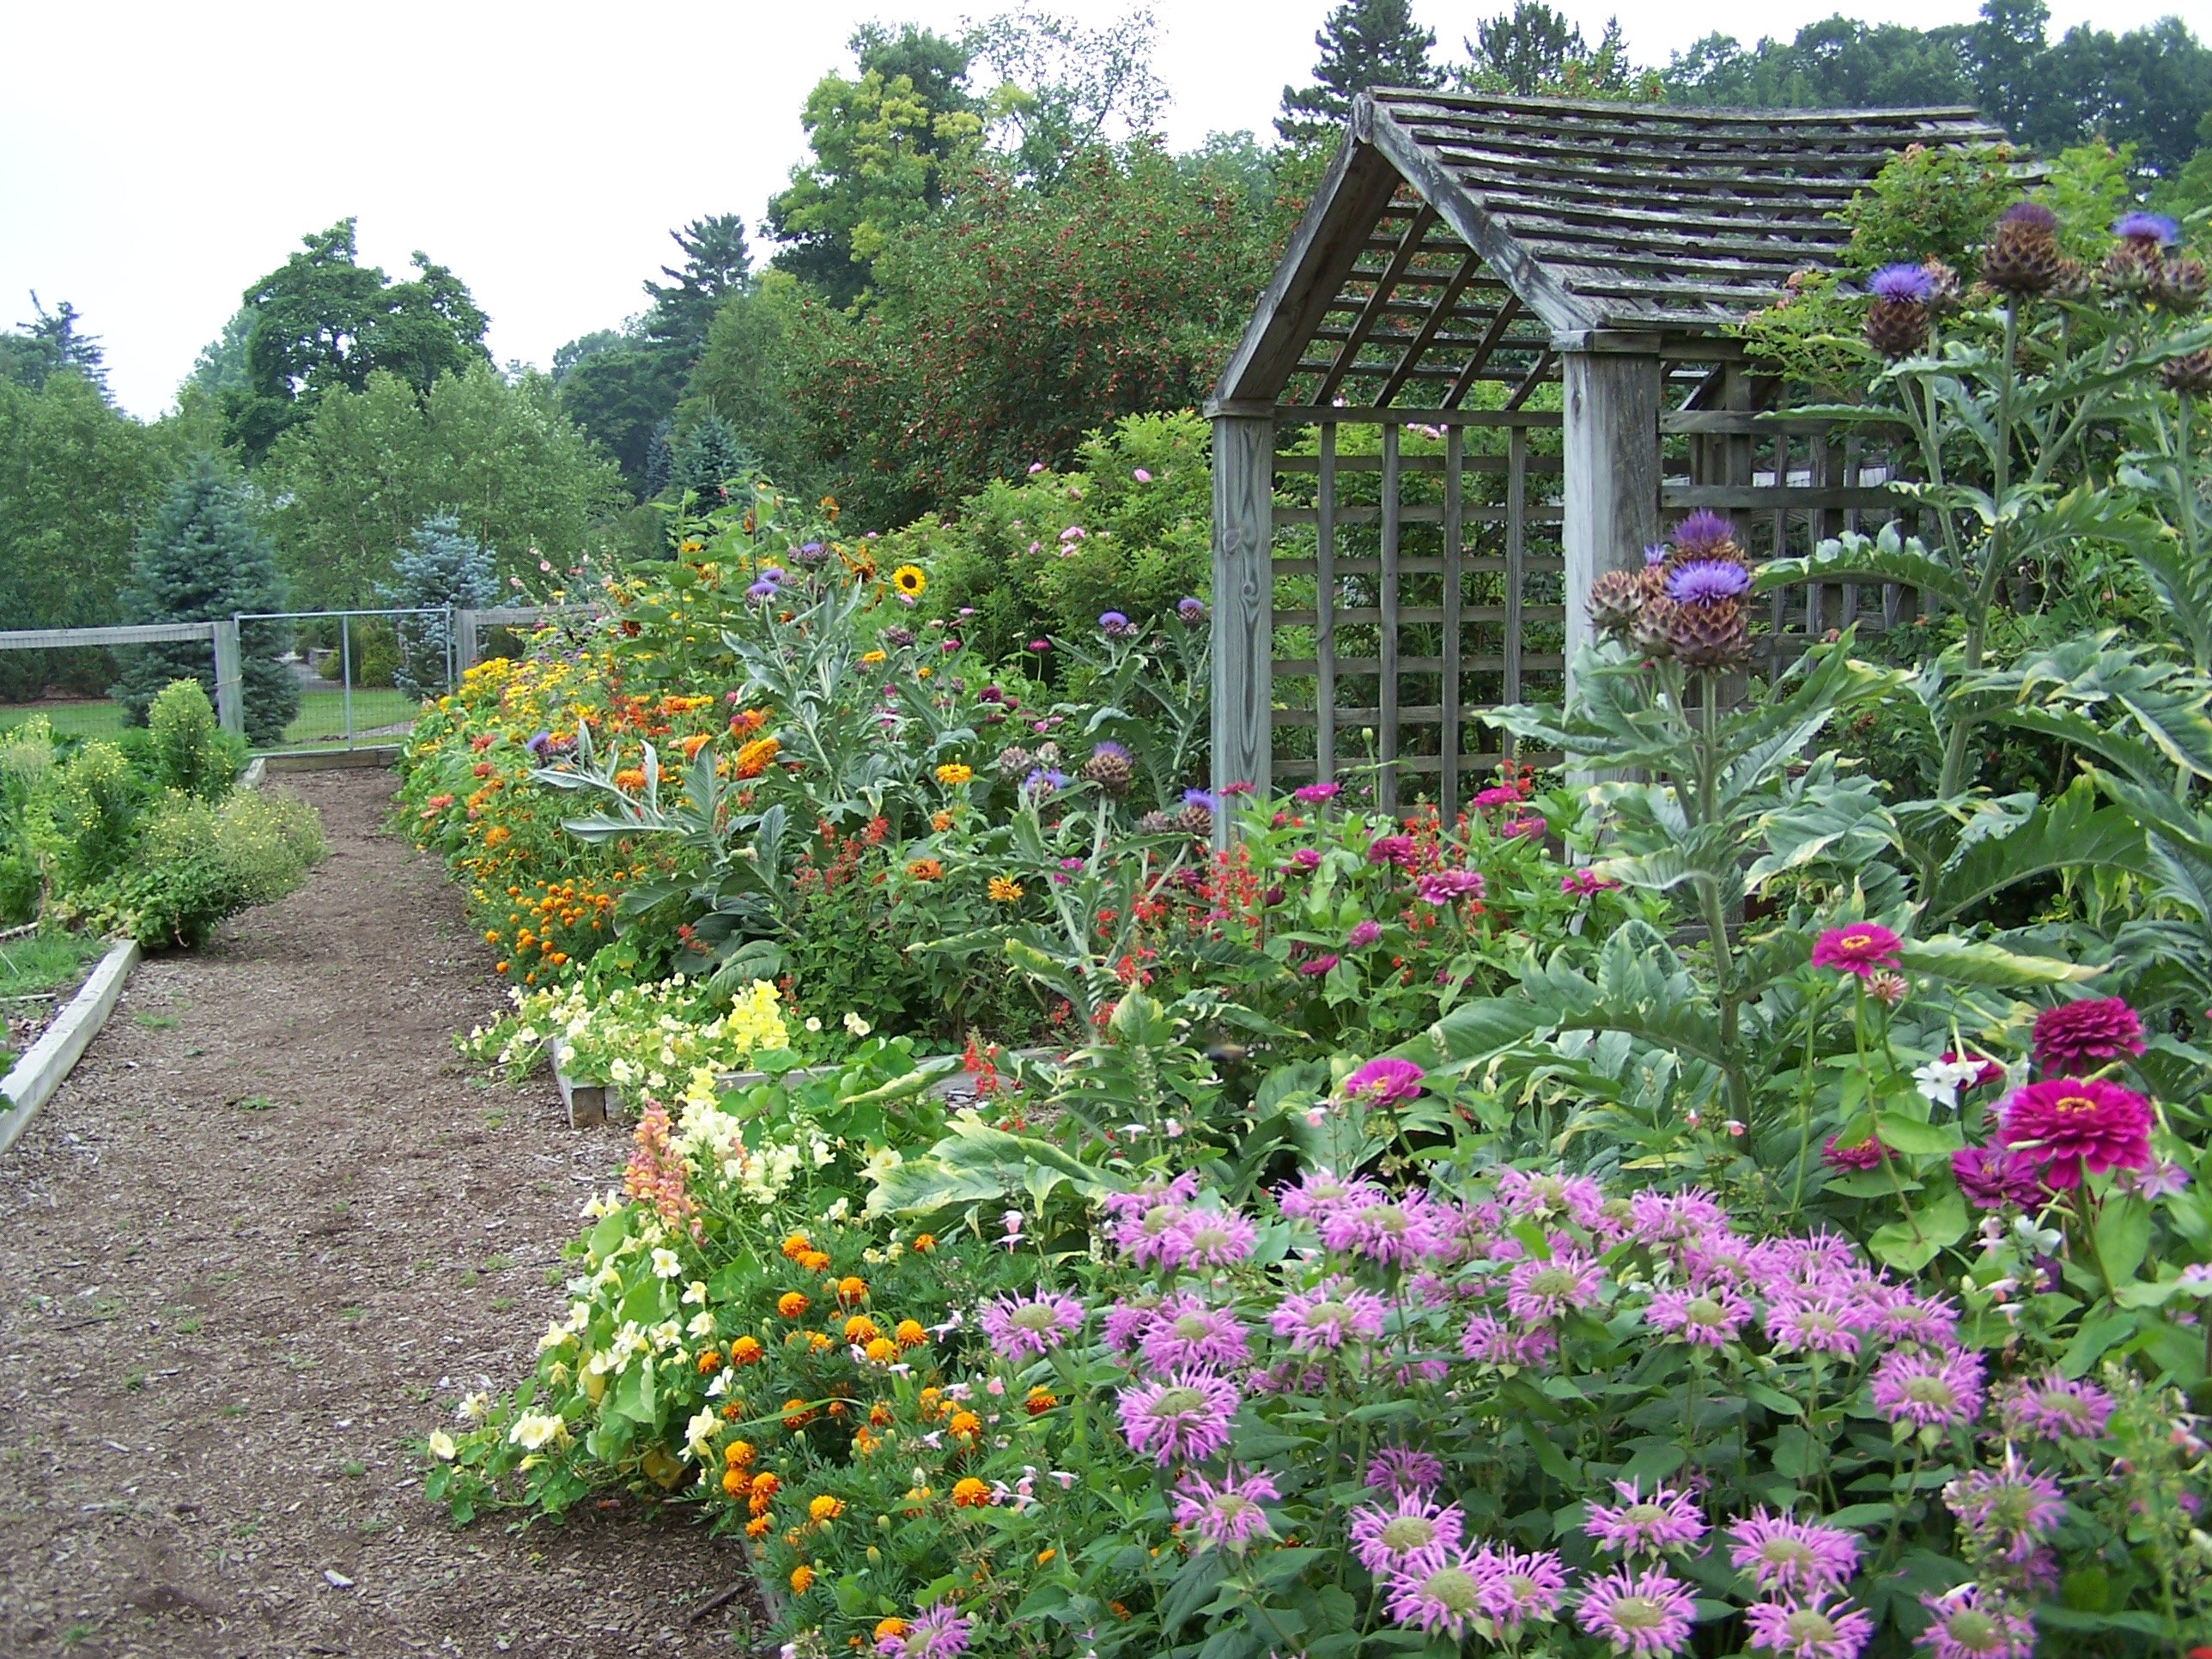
665	1336
694	1294
556	1336
839	1210
622	1072
699	1434
607	1278
814	1024
856	1025
441	1446
474	1407
824	1153
1939	1080
535	1430
666	1264
703	1324
580	1314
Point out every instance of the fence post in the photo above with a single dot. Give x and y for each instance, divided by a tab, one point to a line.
229	678
1244	606
464	641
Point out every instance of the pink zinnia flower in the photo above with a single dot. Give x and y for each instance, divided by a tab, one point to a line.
1668	1519
1403	1469
1315	967
1363	933
2074	1037
1439	1591
1384	1536
1581	883
1186	1416
1385	1082
1928	1390
1314	794
2072	1126
1450	886
1227	1516
1306	858
1540	1291
1640	1613
1516	1586
1498	794
1709	1318
1808	1630
1021	1327
2011	1507
1187	1332
1529	826
1971	1622
1392	849
1860	1155
1859	949
2055	1408
1327	1316
1785	1556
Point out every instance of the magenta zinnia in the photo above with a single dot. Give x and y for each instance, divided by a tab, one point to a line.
1185	1417
1641	1613
2079	1036
1668	1519
2072	1126
1385	1082
1858	949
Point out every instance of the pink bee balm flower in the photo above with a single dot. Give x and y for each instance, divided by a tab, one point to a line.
1708	1318
1215	1238
1316	1194
1811	1322
1783	1556
1640	1613
1490	1341
1021	1327
2012	1509
1386	1536
1385	1082
1668	1519
1227	1516
1403	1230
1542	1195
2075	1037
1809	1630
1972	1622
1928	1390
1327	1316
1514	1586
1439	1591
2055	1408
1404	1469
1185	1331
1186	1417
1540	1291
1859	949
2072	1126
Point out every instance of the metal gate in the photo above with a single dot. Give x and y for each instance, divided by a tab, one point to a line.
361	676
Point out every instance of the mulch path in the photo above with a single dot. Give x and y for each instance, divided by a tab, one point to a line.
267	1234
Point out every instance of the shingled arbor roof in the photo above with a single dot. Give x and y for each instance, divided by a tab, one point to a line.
1454	239
1457	241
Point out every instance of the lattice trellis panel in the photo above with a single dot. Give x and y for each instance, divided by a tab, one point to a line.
1417	581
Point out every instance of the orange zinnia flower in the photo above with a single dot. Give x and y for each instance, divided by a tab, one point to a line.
925	869
756	757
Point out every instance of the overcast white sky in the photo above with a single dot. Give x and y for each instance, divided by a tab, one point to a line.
177	151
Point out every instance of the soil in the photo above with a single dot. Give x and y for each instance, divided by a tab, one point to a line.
268	1233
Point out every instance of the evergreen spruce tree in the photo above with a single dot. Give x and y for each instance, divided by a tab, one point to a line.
439	570
707	458
202	560
659	458
1364	43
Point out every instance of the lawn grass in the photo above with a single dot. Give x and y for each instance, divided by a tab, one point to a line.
46	965
86	718
320	724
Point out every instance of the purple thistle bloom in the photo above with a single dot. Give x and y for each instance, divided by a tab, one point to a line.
1021	1327
1540	1291
1384	1537
1438	1590
1655	555
1215	1238
2012	1509
1201	798
1975	1622
1515	1586
1640	1613
2033	214
1668	1519
1928	1390
773	573
1185	1331
540	744
1327	1316
1115	626
1191	610
1702	531
760	591
1709	1318
1808	1630
938	1634
1401	1231
2154	227
1908	283
1783	1556
1403	1469
1186	1416
1451	886
1701	581
1363	933
1384	1082
1227	1516
1312	794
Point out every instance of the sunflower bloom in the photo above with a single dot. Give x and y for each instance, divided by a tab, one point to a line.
909	581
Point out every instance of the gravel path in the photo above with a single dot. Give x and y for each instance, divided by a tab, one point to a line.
265	1235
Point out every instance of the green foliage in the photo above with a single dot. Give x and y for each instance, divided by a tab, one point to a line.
187	751
1363	44
1534	50
438	569
199	862
708	461
201	559
1062	88
351	483
324	323
619	396
49	344
743	376
1934	202
717	267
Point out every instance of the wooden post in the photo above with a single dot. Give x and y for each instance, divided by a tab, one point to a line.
1244	603
1611	448
229	678
464	642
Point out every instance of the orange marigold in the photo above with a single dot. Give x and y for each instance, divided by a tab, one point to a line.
796	1245
880	1415
738	1454
709	1361
758	1526
965	1424
910	1333
802	1579
886	1629
851	1290
694	743
630	777
925	1242
733	1481
882	1350
792	1304
746	1351
825	1508
1041	1400
861	1329
814	1261
765	1484
970	1493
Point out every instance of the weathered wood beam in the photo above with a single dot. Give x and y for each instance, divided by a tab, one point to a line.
1244	603
1611	445
1491	335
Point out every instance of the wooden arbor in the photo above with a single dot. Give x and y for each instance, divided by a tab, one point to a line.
1494	353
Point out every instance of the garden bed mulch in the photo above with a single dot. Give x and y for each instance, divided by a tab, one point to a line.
262	1238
